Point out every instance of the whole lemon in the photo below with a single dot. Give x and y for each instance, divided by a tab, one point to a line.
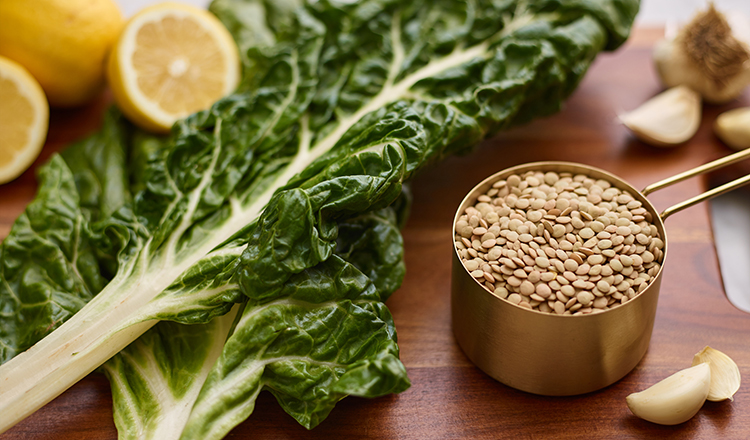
62	43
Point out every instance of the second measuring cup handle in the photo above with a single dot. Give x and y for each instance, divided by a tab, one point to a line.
719	163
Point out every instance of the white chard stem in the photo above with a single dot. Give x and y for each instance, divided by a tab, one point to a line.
78	347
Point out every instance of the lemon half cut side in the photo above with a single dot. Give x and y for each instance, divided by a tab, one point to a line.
24	119
171	60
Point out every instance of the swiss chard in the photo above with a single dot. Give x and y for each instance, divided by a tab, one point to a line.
325	336
156	379
261	199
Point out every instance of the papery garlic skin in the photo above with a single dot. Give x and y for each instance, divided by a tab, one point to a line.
675	69
725	375
733	128
668	119
675	399
675	65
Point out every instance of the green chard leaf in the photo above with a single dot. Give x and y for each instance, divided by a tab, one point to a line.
52	262
397	91
372	243
273	193
156	379
325	335
46	262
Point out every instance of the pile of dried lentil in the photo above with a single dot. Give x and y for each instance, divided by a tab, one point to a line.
559	243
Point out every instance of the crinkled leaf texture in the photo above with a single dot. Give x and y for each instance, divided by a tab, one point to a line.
284	196
156	379
336	334
326	334
64	248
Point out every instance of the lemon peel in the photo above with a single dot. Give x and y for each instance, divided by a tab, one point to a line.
171	60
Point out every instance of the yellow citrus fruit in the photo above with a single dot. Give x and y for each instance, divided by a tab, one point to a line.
171	60
63	43
24	116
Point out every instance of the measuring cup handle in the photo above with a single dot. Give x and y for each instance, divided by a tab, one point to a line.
719	163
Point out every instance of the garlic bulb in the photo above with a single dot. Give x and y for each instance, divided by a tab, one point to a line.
733	127
725	375
707	55
675	399
668	119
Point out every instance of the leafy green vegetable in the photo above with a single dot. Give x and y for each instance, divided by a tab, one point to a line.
54	261
326	335
262	198
156	379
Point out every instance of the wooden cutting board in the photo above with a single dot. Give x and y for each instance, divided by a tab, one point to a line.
449	397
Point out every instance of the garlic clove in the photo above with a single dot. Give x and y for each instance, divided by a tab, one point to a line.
675	399
669	118
733	128
725	375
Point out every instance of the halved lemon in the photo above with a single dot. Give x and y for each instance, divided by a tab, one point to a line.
24	118
171	60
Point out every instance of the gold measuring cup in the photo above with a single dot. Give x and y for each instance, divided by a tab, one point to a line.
561	355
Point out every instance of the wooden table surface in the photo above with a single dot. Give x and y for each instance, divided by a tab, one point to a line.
450	398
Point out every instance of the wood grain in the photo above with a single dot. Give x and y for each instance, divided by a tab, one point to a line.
449	397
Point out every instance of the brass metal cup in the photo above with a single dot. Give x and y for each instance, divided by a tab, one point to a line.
549	354
562	355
